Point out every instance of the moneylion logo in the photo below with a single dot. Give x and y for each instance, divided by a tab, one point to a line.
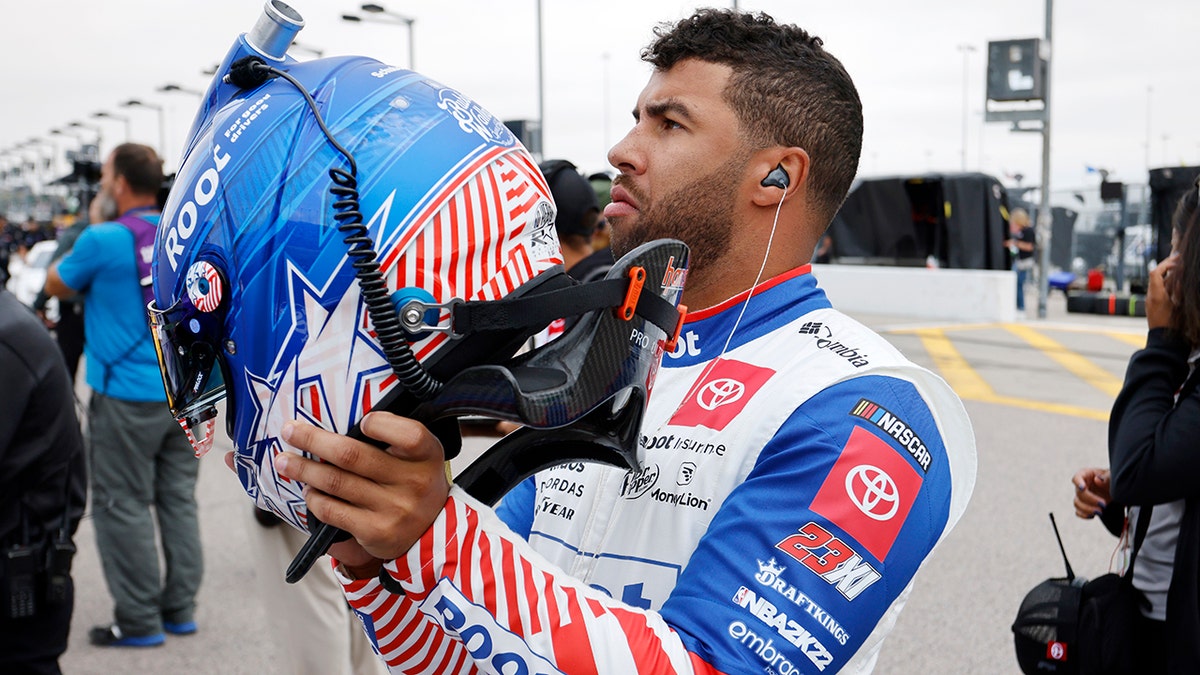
720	392
873	492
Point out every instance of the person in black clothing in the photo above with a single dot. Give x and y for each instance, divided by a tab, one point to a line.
1153	457
42	493
578	216
1021	243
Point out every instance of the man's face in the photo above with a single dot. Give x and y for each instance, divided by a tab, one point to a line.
680	166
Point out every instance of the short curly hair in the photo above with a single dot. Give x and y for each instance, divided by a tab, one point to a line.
785	90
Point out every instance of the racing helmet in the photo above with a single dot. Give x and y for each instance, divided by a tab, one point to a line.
344	236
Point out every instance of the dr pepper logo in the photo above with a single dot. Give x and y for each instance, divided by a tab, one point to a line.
721	394
869	492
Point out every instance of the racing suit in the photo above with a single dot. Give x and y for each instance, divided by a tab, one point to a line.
792	483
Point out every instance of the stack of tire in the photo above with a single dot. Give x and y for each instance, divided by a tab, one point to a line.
1112	304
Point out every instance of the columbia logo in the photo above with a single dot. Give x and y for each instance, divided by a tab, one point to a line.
811	328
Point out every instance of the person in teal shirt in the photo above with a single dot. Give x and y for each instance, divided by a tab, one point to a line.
140	456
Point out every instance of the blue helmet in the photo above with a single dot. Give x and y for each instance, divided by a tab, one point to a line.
344	236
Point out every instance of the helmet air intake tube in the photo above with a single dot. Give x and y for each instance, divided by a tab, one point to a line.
275	30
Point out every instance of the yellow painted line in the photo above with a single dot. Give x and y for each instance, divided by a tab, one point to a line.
970	386
1138	341
1078	365
918	330
959	374
1057	408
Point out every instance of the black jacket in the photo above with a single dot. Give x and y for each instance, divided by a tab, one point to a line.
1154	450
42	473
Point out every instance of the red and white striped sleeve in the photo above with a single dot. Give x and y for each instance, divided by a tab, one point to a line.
477	598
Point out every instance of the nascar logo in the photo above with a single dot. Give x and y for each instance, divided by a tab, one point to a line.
895	427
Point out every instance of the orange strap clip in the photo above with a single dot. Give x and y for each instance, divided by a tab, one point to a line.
669	345
637	279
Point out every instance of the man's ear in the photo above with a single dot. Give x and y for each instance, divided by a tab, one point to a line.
781	171
119	186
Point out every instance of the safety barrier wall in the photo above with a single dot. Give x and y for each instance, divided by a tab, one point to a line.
920	293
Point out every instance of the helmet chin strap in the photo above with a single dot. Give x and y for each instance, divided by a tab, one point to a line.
581	396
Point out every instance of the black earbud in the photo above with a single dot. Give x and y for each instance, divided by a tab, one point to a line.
777	178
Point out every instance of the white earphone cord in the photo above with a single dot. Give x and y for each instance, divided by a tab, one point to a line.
587	574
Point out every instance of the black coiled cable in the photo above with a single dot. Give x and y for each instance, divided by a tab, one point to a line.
388	330
384	318
250	72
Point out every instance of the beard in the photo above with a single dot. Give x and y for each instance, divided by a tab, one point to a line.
700	214
103	208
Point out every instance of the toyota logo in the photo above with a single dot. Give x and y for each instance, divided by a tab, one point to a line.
873	492
720	392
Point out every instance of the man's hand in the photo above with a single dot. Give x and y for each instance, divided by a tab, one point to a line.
1091	492
41	314
1160	296
385	500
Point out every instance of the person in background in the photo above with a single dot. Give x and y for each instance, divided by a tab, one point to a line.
143	469
68	331
318	633
578	214
43	487
1153	458
824	250
602	185
8	244
796	470
1021	243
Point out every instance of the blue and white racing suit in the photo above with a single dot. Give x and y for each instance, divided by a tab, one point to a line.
792	484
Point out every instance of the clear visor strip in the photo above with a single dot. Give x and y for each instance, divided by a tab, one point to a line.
202	446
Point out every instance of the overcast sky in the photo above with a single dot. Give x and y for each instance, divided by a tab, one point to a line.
1126	74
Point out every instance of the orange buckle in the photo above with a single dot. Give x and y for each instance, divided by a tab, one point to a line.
637	279
669	345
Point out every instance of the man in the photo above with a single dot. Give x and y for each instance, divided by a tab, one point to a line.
42	493
576	221
143	468
1020	244
796	470
68	330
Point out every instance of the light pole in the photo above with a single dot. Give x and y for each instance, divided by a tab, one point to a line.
966	50
1149	96
303	48
52	165
395	19
104	114
162	129
541	86
40	166
92	128
69	156
171	86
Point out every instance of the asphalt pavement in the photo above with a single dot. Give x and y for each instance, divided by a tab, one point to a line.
1038	393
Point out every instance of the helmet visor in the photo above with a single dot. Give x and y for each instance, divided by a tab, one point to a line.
188	345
